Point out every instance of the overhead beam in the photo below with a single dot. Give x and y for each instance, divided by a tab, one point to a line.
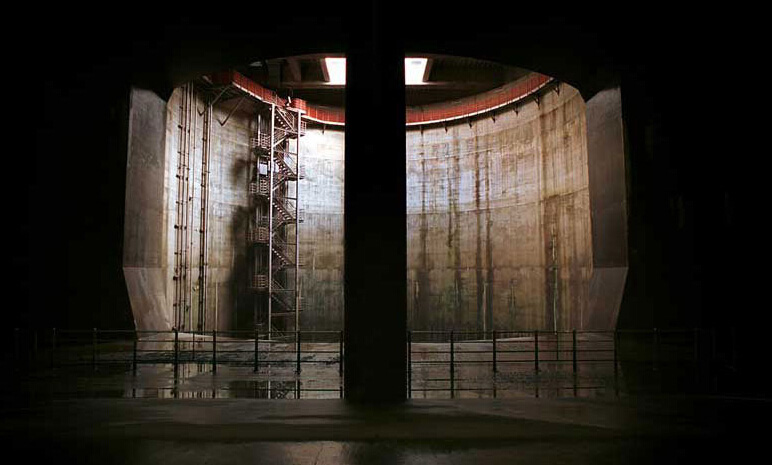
293	66
311	85
325	71
428	69
456	85
430	86
274	74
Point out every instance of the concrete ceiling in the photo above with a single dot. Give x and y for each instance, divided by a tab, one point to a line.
446	78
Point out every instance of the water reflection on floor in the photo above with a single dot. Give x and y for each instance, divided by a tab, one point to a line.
520	370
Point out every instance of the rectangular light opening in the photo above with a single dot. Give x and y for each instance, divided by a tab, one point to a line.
414	70
336	68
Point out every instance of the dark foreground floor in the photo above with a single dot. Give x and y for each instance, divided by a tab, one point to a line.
528	431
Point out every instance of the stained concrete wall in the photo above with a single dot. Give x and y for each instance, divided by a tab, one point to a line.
145	246
488	202
151	198
608	197
151	201
321	234
230	302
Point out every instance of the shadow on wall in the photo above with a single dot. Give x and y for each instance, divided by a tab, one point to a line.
242	298
238	284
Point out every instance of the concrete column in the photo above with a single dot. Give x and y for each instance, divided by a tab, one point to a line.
375	207
608	204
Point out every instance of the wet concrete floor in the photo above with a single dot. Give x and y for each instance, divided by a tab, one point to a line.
488	431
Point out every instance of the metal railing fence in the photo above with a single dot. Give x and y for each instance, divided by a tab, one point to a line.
95	347
438	358
451	362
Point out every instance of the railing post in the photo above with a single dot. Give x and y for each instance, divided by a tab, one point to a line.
452	368
573	351
656	350
616	363
176	349
214	351
495	368
94	348
297	351
134	356
573	341
340	353
53	347
257	351
536	351
409	364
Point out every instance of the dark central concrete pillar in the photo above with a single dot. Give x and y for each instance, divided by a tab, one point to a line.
375	222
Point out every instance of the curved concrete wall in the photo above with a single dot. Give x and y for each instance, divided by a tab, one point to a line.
229	300
500	230
145	266
151	196
321	234
488	204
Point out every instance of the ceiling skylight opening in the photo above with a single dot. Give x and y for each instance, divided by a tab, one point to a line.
336	67
415	69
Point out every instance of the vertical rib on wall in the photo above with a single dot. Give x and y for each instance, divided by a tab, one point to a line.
487	204
145	265
606	146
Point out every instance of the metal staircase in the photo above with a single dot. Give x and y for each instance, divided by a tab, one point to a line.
274	229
